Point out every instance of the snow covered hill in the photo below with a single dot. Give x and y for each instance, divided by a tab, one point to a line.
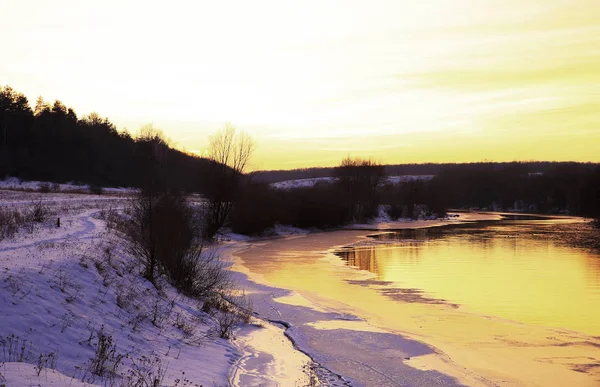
76	312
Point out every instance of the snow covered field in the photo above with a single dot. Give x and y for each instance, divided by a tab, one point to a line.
304	183
14	183
74	311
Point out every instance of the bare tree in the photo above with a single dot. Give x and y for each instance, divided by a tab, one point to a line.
231	151
141	231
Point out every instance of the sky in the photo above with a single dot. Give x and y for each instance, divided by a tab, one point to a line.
314	81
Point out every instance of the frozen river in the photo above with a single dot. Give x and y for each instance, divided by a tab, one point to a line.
510	302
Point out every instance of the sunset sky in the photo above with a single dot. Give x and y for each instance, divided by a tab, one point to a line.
315	80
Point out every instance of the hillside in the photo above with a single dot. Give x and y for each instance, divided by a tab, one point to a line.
75	311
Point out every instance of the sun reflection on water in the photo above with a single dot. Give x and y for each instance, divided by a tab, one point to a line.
518	270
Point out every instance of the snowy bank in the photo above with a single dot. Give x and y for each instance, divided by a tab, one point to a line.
75	311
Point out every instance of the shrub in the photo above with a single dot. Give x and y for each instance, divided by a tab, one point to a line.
254	211
10	222
14	349
106	359
95	189
226	321
228	310
413	199
145	372
198	273
213	302
45	361
44	187
139	232
39	213
192	269
260	207
112	218
395	211
164	234
320	206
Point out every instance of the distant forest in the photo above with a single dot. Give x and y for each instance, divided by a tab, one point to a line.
531	167
50	143
539	187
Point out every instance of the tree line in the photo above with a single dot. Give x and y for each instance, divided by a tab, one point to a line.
568	188
533	167
359	190
51	143
354	196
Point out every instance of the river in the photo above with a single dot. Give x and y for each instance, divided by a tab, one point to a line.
514	301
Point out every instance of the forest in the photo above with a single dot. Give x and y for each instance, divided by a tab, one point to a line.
51	143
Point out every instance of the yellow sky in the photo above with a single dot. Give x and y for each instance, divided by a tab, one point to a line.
316	80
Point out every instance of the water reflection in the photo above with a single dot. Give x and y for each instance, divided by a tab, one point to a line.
524	270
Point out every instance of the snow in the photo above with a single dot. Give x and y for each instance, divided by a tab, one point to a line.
405	178
268	358
279	230
304	183
283	230
13	183
25	375
384	222
63	289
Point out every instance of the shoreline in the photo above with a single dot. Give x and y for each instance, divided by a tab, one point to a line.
524	342
437	360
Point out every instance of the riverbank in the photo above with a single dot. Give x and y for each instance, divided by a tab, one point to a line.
330	305
76	312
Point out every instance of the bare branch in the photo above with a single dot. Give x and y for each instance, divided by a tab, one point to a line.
232	152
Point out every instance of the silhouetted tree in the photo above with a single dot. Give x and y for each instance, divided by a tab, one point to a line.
15	120
51	143
231	152
360	179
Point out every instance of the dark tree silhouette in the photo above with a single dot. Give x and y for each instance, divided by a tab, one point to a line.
360	180
50	143
231	152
